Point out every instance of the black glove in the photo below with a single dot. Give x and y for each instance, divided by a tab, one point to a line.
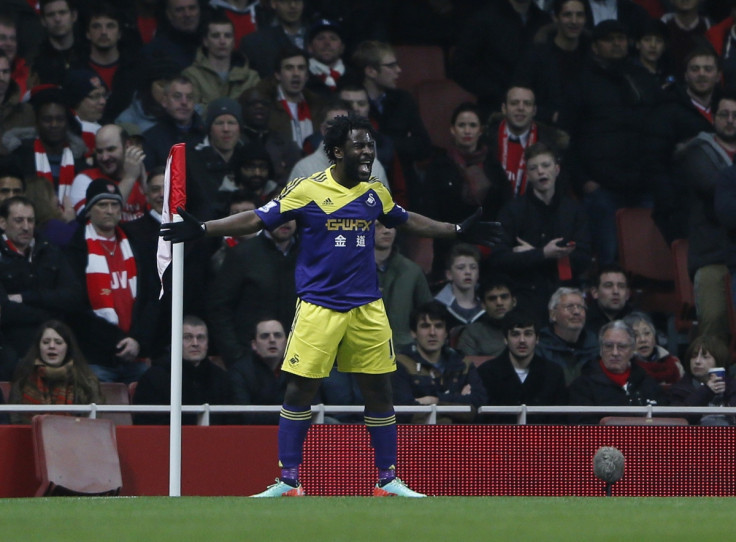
188	230
472	230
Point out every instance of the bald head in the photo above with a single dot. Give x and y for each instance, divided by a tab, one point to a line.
110	143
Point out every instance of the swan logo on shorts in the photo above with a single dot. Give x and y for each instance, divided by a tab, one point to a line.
294	360
370	201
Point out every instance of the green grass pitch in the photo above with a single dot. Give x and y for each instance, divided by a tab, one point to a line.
357	519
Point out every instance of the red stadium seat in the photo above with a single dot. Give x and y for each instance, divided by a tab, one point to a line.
419	63
116	393
436	100
5	388
76	456
645	256
685	315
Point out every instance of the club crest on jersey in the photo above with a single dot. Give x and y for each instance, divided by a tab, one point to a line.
370	200
270	205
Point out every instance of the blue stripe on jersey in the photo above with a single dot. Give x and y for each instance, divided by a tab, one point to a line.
336	267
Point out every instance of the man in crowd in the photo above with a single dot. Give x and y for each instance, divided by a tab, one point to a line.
118	161
115	67
211	165
59	50
14	113
109	328
256	378
202	381
431	373
485	336
325	47
11	180
565	341
515	130
394	111
605	114
293	108
282	149
51	150
519	376
36	280
686	110
180	123
178	35
288	30
613	380
698	164
610	294
218	71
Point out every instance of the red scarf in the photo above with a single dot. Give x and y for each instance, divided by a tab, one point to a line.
329	76
516	173
475	182
618	378
43	168
301	126
49	385
705	111
15	249
100	280
302	110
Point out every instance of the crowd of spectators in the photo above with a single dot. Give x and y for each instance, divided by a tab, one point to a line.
581	107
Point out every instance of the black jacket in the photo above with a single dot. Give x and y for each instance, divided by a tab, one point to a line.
605	114
594	388
489	48
543	386
254	383
529	218
206	383
49	287
256	278
725	208
164	134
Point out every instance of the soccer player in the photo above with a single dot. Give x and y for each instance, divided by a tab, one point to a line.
339	313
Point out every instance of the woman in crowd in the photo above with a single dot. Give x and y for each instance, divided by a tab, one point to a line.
53	372
655	360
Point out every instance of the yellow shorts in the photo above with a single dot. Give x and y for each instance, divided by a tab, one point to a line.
359	339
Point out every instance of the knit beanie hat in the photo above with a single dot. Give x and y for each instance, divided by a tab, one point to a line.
79	84
223	106
101	189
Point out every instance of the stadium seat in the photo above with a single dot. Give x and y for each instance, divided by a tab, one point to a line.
76	456
685	315
419	63
131	390
645	256
5	388
436	100
639	420
116	393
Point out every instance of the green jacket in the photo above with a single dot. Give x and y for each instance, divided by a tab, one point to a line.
208	85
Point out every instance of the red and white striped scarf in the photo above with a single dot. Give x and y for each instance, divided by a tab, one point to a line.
43	168
517	177
330	76
301	126
99	278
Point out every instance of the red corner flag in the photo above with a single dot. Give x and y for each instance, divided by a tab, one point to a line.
175	195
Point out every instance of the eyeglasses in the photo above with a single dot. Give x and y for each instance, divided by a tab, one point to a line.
610	347
725	115
572	307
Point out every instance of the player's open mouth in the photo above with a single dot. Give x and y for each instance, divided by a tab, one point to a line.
365	167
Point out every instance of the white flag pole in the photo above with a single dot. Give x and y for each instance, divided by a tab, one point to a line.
177	314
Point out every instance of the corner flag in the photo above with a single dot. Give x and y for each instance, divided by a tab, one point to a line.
175	195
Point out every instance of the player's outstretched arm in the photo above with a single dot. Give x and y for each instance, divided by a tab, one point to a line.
471	230
191	228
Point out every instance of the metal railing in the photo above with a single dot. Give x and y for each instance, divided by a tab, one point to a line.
321	412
